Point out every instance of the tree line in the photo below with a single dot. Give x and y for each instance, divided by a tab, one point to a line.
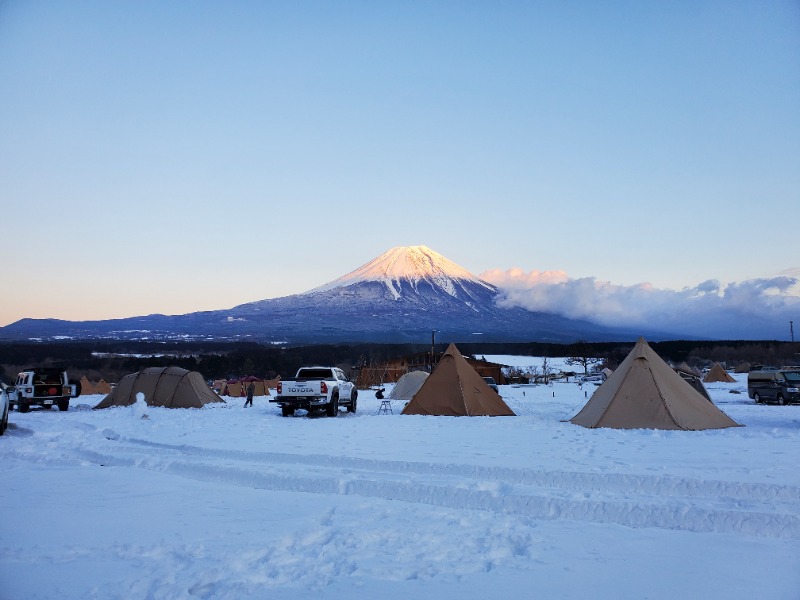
111	360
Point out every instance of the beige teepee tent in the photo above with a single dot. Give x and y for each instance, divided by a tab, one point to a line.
455	389
171	387
718	374
646	393
271	384
87	387
102	387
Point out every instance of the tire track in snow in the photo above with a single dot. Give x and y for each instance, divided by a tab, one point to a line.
648	501
660	485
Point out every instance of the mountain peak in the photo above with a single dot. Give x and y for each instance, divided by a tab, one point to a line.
412	264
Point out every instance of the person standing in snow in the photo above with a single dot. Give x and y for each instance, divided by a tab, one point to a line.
251	389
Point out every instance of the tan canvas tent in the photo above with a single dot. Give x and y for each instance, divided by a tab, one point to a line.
237	388
171	387
233	388
259	386
646	393
455	389
718	374
408	385
102	387
743	367
87	387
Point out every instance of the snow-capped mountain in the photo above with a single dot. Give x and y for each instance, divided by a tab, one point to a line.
413	266
401	296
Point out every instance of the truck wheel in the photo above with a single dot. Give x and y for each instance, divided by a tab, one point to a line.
287	411
63	405
756	397
353	402
332	409
22	407
781	400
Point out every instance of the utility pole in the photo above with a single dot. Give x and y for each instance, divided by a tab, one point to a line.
791	330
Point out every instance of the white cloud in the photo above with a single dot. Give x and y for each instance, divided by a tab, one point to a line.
753	309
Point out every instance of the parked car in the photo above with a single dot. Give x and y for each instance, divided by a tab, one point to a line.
774	386
314	388
594	378
44	386
491	383
4	408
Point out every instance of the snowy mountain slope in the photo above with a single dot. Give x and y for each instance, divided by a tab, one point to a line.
400	296
413	267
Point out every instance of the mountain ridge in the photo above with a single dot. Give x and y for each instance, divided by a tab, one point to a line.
400	296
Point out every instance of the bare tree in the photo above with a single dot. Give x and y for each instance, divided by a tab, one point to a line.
547	370
583	357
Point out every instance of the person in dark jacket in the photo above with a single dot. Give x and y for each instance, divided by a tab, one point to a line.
251	388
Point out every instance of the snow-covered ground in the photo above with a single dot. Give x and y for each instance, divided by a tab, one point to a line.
233	503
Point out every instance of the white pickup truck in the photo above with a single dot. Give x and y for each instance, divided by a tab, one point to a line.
314	388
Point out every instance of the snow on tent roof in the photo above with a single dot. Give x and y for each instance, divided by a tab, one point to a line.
644	392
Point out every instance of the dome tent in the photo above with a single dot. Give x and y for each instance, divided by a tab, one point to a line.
170	387
408	385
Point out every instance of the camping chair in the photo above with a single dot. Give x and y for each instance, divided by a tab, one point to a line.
386	403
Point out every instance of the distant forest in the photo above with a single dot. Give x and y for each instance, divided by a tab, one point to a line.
111	360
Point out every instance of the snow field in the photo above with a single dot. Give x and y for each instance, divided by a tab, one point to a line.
227	502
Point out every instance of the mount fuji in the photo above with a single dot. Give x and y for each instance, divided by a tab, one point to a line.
398	297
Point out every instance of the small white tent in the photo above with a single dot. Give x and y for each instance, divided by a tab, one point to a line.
408	385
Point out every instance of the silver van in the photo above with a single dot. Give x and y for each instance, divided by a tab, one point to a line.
778	386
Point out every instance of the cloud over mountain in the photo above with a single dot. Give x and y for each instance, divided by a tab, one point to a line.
752	309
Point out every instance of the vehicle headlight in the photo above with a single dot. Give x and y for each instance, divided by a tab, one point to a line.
793	390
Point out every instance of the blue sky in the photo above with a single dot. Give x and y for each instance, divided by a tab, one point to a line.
180	156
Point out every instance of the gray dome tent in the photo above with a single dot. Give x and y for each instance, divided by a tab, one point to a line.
408	385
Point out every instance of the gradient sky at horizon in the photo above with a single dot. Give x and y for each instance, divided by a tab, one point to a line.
170	157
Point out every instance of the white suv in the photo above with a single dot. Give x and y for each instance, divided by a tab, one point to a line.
43	387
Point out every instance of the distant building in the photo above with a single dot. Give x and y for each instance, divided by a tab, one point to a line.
394	368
